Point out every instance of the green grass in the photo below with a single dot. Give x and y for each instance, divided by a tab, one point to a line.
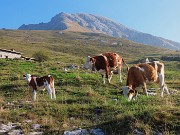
82	100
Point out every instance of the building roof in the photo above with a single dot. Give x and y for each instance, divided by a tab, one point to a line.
10	51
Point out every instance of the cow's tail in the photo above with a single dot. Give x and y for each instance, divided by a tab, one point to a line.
52	87
125	64
52	81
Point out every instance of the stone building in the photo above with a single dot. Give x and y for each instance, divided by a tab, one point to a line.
10	54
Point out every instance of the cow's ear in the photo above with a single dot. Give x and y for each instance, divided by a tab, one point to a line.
24	75
92	60
131	91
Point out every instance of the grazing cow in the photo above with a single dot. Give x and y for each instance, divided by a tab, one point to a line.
141	74
106	63
41	82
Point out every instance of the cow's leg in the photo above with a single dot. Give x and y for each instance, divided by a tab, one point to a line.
54	93
161	83
166	89
107	74
53	90
49	90
120	72
34	95
110	77
145	89
103	78
162	91
102	72
136	94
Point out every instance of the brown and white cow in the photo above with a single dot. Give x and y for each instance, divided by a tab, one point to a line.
46	82
106	63
140	74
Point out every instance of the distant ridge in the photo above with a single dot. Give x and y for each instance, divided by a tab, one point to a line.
82	22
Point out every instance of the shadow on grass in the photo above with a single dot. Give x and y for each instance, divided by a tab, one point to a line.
116	127
128	125
72	101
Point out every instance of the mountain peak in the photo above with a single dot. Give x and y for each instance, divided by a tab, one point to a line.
92	23
62	14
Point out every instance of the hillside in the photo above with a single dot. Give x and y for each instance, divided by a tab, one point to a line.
83	102
57	42
81	22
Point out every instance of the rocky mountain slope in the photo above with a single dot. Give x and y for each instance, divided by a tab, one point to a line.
91	23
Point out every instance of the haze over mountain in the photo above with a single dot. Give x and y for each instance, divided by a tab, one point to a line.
91	23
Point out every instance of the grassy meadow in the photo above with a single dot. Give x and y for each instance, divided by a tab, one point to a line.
82	99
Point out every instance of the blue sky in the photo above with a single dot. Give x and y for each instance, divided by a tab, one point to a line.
156	17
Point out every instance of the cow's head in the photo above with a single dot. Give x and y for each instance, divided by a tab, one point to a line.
27	77
128	92
90	61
